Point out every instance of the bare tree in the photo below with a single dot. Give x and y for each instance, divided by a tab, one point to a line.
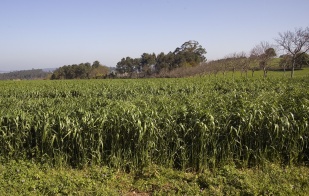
253	61
243	62
224	65
231	62
263	53
294	43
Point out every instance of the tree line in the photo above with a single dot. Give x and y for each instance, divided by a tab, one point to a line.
190	59
25	75
293	44
81	71
190	54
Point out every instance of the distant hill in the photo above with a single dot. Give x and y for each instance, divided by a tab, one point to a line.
32	74
49	69
24	75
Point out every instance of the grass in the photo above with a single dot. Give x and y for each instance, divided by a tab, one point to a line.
182	123
259	74
27	178
189	136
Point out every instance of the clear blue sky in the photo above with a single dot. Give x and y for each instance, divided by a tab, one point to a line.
53	33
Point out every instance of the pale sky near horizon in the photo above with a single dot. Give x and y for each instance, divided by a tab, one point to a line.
52	33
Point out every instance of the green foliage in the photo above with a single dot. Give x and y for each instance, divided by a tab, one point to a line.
195	123
190	54
81	71
301	60
29	178
194	136
128	65
24	75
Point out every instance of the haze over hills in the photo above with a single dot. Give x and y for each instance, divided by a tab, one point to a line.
49	69
45	70
26	74
32	74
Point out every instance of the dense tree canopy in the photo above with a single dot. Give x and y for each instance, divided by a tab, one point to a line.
81	71
190	54
24	75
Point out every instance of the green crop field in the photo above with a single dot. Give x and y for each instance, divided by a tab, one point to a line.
190	124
